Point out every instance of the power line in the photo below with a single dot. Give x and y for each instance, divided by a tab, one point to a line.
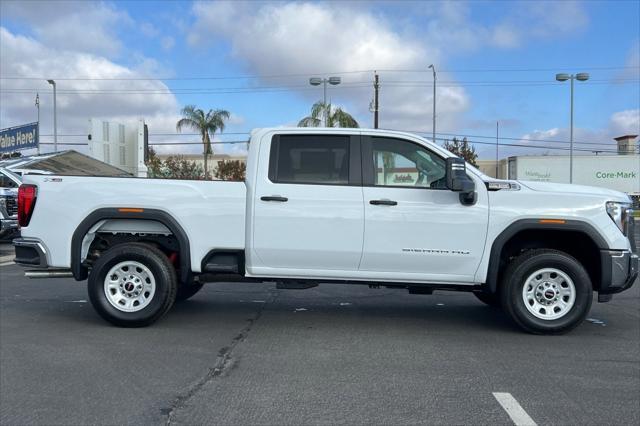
255	91
555	148
512	138
153	134
306	74
421	132
258	89
153	144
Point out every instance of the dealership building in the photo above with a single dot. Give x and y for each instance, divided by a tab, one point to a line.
619	171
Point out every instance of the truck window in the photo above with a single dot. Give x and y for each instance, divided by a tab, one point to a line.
310	159
403	163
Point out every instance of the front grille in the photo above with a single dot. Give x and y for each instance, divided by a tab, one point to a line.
12	206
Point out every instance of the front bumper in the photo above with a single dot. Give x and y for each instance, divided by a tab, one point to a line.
619	271
30	253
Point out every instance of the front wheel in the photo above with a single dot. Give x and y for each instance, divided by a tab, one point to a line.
546	292
132	285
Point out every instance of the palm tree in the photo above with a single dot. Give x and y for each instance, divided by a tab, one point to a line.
336	117
205	124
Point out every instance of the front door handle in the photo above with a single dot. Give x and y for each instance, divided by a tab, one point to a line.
274	198
383	202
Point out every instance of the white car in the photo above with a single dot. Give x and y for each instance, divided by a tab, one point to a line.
350	206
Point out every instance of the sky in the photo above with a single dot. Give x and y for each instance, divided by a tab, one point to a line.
495	61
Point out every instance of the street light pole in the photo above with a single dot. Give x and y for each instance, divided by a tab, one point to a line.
38	107
316	81
434	102
582	76
497	163
571	135
55	117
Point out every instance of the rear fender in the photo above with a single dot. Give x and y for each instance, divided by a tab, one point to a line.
84	233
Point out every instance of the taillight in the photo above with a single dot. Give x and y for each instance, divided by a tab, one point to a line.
26	202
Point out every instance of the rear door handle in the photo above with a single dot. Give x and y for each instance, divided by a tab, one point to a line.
274	198
383	202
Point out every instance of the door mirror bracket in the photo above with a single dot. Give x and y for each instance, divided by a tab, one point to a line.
459	181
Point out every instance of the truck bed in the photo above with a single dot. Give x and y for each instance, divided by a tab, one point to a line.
212	213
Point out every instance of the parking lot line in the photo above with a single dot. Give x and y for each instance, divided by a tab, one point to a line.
4	259
514	409
7	263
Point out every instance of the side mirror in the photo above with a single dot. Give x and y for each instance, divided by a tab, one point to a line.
458	181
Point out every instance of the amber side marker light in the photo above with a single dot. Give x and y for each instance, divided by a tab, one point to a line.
130	210
555	221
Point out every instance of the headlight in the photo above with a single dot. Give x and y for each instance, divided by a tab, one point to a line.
619	213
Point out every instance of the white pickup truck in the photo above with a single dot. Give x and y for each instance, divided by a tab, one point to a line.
348	206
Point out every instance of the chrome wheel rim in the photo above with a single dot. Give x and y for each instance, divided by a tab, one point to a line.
549	294
129	286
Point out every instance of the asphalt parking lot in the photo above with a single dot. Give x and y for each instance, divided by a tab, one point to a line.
252	354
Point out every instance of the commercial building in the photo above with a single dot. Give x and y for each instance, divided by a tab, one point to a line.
619	171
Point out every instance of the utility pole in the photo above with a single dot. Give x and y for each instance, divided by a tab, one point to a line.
376	87
497	130
434	102
38	107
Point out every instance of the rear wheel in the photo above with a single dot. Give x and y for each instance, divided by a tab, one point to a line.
546	291
132	285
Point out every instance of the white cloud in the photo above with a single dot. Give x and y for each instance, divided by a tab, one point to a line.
620	123
553	18
307	38
24	56
632	64
625	122
453	26
84	26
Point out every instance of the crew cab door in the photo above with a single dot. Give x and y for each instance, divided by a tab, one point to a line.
308	209
415	227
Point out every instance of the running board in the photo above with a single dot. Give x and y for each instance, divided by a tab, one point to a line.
221	269
49	273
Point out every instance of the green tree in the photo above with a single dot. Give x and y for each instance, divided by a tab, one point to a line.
178	167
462	149
336	117
231	170
154	164
205	124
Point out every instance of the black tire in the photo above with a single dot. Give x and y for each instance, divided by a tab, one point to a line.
521	268
163	273
491	299
187	290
